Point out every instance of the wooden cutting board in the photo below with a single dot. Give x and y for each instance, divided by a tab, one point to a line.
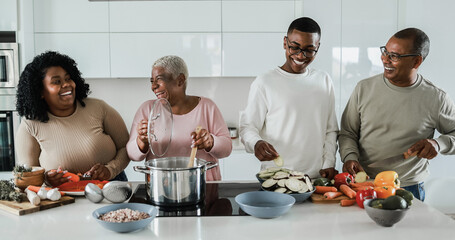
319	198
25	207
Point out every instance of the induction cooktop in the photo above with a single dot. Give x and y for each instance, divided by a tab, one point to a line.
219	201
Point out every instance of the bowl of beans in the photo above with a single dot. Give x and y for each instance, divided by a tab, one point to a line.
125	217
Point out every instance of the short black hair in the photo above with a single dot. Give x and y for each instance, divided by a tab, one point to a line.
421	42
305	24
30	103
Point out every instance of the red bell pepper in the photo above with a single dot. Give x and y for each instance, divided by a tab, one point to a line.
363	195
343	178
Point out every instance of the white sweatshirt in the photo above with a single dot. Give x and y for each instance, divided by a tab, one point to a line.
296	114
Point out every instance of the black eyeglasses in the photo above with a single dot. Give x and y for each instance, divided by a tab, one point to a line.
293	50
394	57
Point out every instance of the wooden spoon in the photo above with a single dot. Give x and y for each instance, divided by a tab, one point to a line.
194	150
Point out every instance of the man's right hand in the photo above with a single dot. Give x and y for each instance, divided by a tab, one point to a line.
264	151
352	167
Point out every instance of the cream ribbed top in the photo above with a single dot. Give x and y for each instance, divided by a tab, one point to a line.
93	134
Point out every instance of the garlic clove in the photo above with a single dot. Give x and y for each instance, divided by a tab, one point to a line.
42	193
53	194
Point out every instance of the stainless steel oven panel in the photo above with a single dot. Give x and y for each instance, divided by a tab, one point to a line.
7	102
9	68
9	121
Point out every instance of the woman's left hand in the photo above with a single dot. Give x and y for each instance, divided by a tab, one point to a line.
202	140
99	172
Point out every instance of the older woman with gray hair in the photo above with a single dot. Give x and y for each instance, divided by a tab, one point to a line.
169	81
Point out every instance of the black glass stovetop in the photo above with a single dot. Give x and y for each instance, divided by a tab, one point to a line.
219	201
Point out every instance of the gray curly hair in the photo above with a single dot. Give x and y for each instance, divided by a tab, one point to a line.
172	64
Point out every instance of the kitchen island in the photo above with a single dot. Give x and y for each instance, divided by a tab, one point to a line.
305	220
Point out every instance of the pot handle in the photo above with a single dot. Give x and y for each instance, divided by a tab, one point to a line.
142	169
211	165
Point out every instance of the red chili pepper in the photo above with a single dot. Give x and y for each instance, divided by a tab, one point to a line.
343	178
362	195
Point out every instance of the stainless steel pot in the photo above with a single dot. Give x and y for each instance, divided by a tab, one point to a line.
171	183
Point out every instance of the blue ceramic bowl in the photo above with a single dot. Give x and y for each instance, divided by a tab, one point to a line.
384	217
126	226
263	204
302	197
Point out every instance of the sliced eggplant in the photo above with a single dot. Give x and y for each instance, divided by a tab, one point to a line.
279	161
294	184
280	175
282	183
297	177
269	183
281	190
266	175
308	183
305	188
296	173
273	169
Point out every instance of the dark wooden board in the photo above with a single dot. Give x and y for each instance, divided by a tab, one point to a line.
25	207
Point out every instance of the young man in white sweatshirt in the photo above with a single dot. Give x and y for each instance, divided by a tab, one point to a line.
290	111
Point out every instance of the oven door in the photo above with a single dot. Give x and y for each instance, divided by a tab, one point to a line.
9	65
8	124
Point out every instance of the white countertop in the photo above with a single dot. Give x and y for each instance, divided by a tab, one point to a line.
304	221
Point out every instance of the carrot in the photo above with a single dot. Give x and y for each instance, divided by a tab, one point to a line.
74	177
332	195
37	188
324	189
347	202
347	191
363	184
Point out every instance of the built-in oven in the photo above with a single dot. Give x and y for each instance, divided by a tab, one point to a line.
9	65
9	119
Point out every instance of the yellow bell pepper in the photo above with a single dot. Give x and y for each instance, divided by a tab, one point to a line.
387	178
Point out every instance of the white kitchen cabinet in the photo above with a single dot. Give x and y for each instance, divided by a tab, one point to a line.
132	54
52	16
251	54
89	50
240	165
165	16
257	16
366	25
8	15
437	66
